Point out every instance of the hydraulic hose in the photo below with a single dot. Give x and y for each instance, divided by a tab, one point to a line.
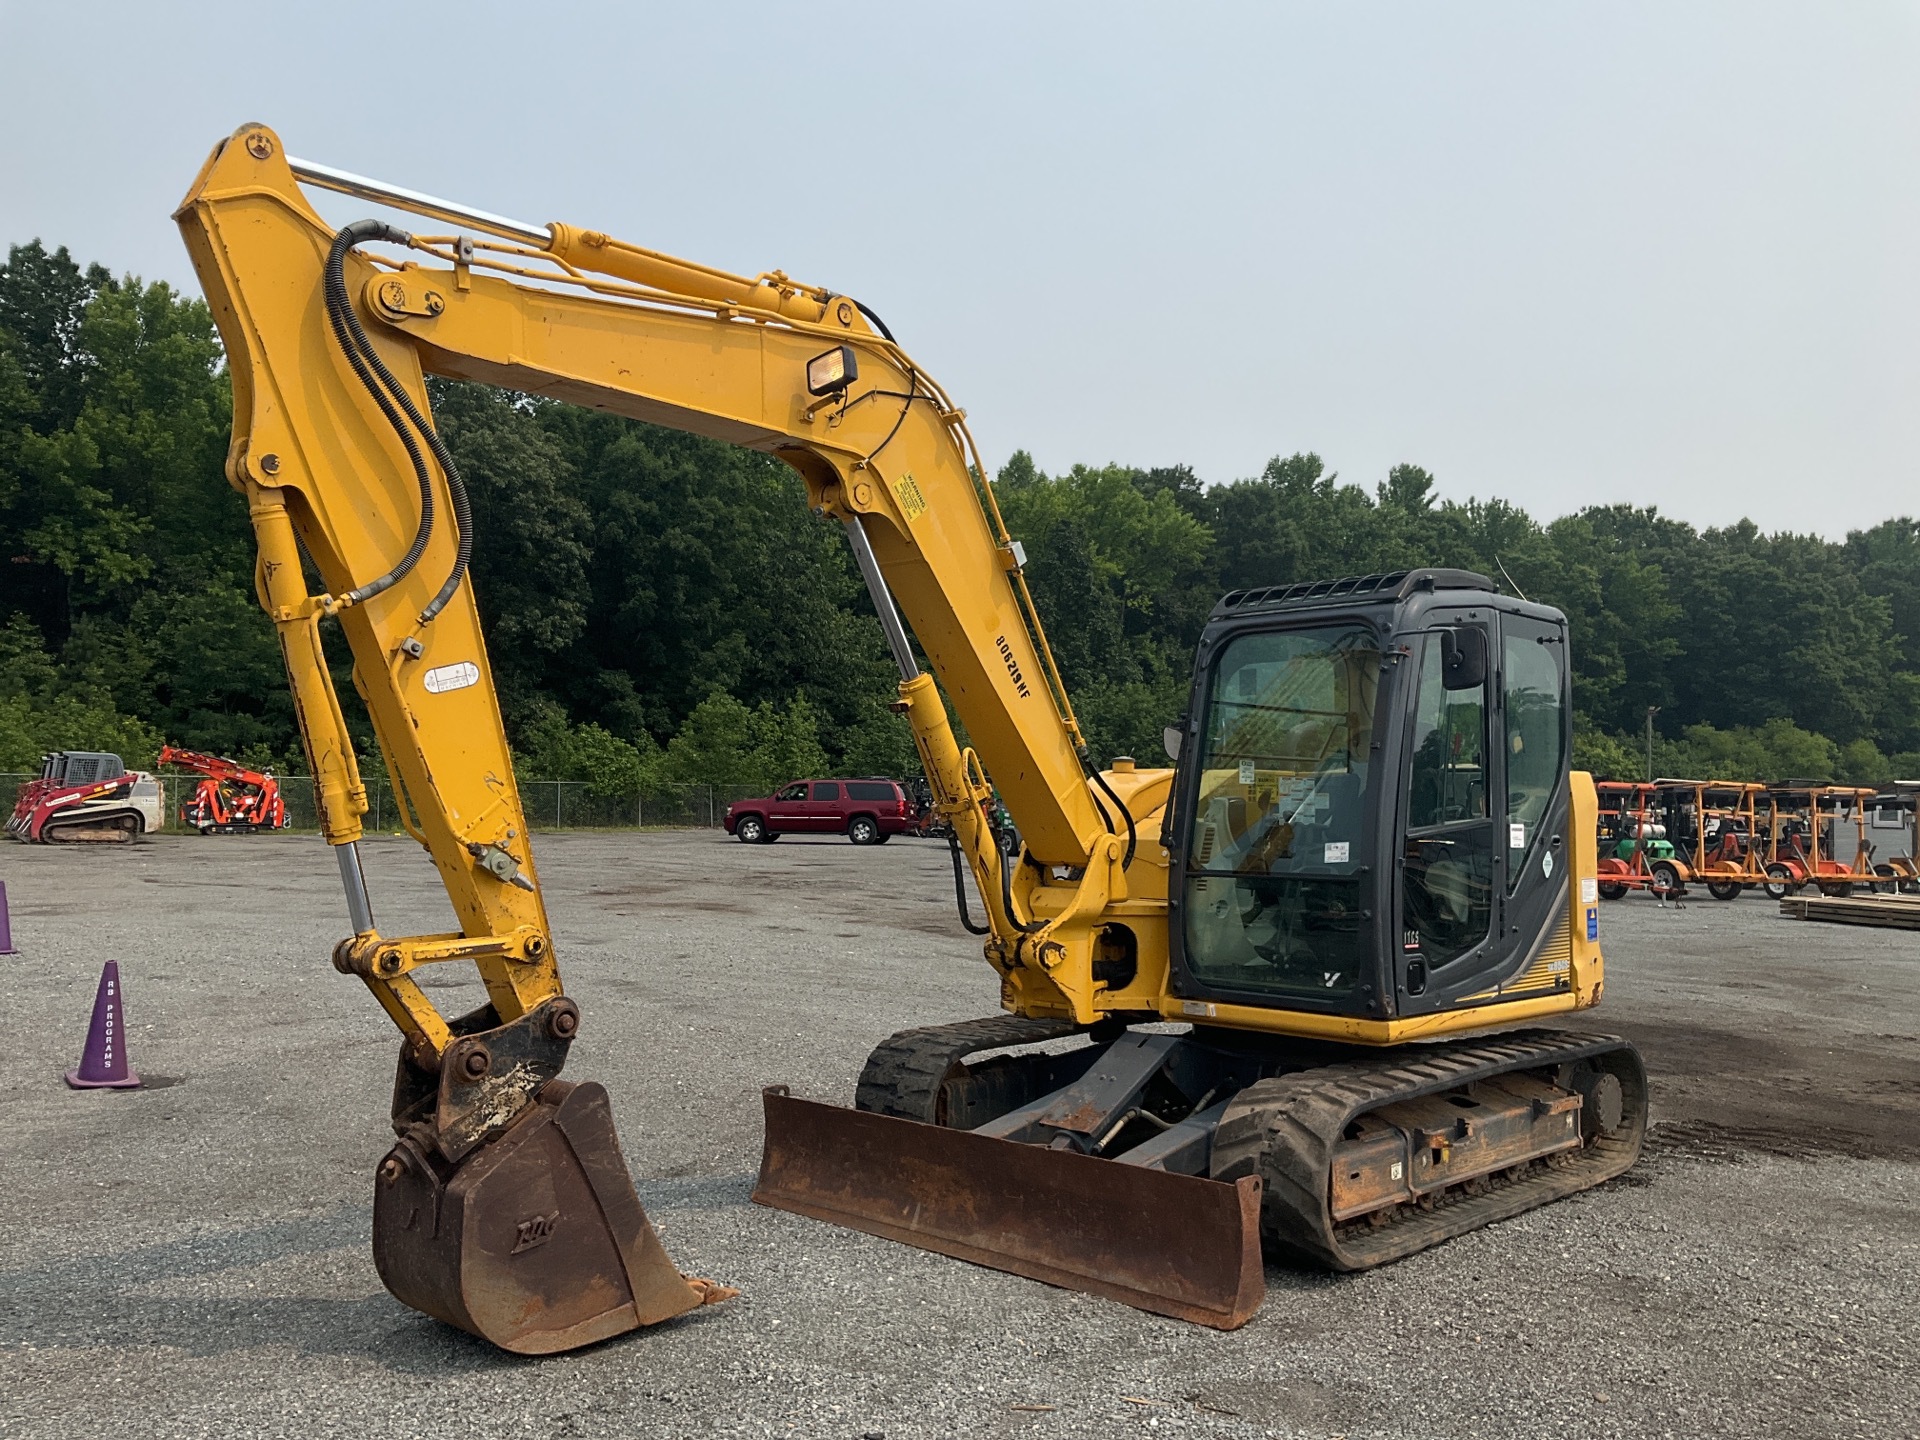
960	889
352	339
1133	838
1025	927
388	394
878	323
1101	810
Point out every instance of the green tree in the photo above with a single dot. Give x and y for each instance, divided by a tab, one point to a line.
39	711
1608	757
552	749
1121	571
1775	750
730	747
709	573
532	541
202	664
662	608
1622	622
44	297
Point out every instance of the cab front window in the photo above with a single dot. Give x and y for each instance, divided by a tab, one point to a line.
1278	846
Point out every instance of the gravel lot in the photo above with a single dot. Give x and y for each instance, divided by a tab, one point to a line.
191	1259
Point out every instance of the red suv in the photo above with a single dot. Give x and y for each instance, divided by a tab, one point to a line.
867	812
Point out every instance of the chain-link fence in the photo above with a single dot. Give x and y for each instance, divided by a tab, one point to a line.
550	804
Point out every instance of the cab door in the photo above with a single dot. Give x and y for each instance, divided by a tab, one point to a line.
1448	867
1536	739
1485	804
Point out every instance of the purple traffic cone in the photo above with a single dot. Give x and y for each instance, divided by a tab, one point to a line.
103	1065
6	924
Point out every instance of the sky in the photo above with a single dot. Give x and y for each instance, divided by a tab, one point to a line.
1568	254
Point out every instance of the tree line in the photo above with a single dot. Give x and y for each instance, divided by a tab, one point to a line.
662	609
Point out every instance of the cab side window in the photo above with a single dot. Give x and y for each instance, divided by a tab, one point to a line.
826	790
1449	782
793	792
1447	878
1535	734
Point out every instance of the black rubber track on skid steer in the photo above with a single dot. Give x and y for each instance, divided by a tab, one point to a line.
1285	1129
904	1074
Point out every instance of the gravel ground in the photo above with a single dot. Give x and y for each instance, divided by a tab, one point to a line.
190	1259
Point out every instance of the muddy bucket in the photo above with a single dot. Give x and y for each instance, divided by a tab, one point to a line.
1176	1245
535	1240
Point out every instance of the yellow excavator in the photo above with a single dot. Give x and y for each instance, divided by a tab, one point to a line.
1369	855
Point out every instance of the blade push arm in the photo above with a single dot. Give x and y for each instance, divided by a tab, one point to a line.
580	317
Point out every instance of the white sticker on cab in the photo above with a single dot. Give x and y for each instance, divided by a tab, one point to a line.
443	678
1516	837
1589	891
1336	852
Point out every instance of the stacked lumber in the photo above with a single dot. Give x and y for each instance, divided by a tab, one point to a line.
1896	912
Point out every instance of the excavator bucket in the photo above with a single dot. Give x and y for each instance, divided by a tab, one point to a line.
1172	1244
534	1240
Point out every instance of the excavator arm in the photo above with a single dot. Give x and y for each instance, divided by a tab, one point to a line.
214	767
330	334
335	453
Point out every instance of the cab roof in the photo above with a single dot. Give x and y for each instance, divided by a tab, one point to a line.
1393	585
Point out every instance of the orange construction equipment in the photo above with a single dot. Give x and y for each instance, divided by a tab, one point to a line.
1804	819
1714	827
230	799
1892	818
1632	837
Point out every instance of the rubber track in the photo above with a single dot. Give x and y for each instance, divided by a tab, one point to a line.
904	1074
51	834
1285	1130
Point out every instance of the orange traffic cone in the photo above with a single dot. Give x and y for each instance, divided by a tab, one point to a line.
103	1064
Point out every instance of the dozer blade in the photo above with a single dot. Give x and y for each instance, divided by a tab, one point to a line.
534	1240
1173	1244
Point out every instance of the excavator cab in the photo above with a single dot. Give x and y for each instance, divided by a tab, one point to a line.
1373	840
1372	808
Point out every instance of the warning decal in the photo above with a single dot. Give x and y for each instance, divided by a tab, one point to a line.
912	503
